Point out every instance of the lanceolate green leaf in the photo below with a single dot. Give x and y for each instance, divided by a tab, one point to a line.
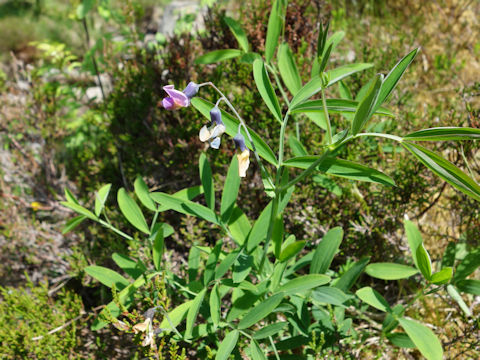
260	311
230	191
468	265
366	108
424	262
193	313
107	277
231	124
470	286
444	134
452	291
333	40
303	283
157	248
238	32
131	267
346	281
291	250
275	25
339	106
442	277
79	209
131	211
326	250
390	271
423	338
414	238
185	207
101	197
373	298
227	345
215	305
265	89
218	55
141	190
269	330
207	180
175	317
445	169
288	69
256	352
73	223
296	146
394	76
342	168
335	75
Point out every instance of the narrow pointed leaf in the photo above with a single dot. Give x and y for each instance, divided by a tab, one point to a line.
207	181
238	32
414	238
366	108
303	283
176	316
227	345
274	28
373	298
239	226
256	352
468	265
401	340
424	262
185	207
348	278
315	85
157	249
342	168
269	330
444	134
101	197
452	291
326	250
260	311
445	169
79	210
131	267
107	277
70	197
291	250
230	191
265	89
288	69
143	194
231	124
442	277
296	146
218	55
394	76
215	305
470	286
424	339
131	211
73	223
390	271
335	106
329	295
193	313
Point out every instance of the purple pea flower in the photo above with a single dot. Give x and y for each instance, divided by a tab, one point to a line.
176	98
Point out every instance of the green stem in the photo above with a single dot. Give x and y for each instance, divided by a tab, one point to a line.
281	145
114	229
274	348
327	118
386	136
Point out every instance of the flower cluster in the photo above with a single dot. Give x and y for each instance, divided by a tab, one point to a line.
213	132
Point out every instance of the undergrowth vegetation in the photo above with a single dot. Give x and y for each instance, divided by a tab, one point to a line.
184	258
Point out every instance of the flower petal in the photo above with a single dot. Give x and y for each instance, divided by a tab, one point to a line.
178	97
205	134
243	162
218	130
215	143
169	104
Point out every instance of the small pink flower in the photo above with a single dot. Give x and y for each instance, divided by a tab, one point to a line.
176	98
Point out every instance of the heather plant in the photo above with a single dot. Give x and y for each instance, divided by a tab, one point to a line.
258	291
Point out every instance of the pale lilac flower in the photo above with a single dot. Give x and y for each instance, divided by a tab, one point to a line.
177	98
214	131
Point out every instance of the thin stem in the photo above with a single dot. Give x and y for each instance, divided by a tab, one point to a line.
229	104
279	84
94	61
114	229
327	118
274	348
154	221
466	162
282	141
270	228
386	136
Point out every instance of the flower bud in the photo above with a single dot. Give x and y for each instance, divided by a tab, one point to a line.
216	116
191	90
239	142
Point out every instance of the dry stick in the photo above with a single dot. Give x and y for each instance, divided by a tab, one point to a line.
94	61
